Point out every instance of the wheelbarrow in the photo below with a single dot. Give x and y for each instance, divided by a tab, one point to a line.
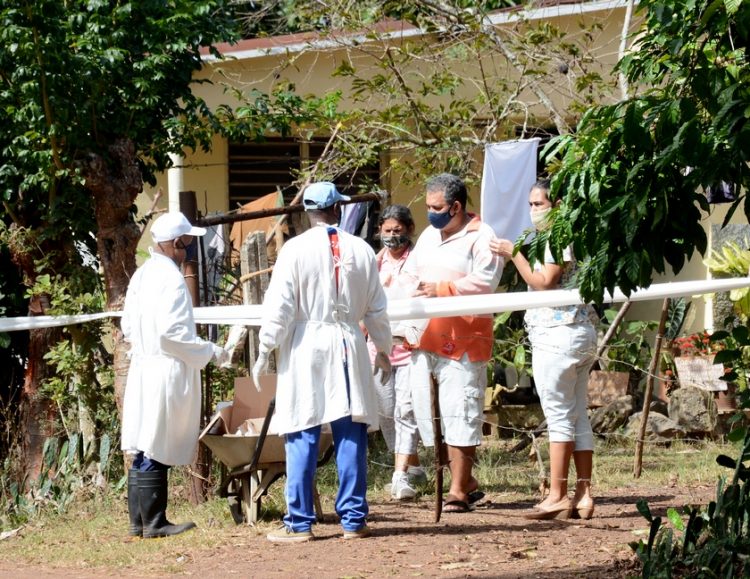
245	443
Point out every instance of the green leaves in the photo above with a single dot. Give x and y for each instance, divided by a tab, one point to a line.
633	175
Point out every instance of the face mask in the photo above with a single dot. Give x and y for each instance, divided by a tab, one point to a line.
395	241
541	219
439	220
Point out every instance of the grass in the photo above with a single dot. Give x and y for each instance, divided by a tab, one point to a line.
91	535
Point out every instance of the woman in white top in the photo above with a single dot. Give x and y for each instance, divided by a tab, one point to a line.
395	403
563	344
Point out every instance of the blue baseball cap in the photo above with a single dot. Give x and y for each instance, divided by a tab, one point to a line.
322	195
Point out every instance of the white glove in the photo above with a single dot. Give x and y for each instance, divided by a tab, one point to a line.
222	357
260	367
382	363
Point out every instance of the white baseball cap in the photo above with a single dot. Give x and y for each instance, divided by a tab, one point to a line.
173	225
321	195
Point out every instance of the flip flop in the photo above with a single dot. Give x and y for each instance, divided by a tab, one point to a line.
475	497
455	505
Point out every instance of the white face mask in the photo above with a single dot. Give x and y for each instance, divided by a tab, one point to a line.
541	219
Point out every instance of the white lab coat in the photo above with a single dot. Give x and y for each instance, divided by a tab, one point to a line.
310	321
161	409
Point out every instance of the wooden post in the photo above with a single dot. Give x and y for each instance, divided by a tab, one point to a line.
199	470
440	455
254	260
613	328
653	367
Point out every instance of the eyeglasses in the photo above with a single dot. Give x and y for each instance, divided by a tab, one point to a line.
179	245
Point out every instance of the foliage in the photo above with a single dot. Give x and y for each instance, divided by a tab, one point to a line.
69	469
631	179
512	348
734	354
629	349
96	95
277	17
714	541
733	260
432	102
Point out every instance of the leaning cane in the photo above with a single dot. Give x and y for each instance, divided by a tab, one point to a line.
440	457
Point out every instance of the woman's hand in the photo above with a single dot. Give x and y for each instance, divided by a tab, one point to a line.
502	247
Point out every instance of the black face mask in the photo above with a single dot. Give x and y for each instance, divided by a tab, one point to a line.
395	241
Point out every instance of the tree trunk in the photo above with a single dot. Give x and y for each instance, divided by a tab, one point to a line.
37	412
114	184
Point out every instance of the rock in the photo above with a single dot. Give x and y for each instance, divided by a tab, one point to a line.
521	417
659	406
611	417
659	428
694	410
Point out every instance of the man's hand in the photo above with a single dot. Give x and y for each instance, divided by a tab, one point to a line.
382	363
426	289
260	367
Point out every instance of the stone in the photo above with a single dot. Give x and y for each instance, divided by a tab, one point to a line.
659	428
611	417
514	418
659	406
694	410
605	387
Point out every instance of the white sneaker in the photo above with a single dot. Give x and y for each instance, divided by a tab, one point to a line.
401	487
417	476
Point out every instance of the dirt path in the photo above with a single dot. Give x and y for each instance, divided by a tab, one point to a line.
492	541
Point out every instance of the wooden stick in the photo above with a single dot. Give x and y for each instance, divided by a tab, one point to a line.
235	216
613	327
439	446
610	332
649	389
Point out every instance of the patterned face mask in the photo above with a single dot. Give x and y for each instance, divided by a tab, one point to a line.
541	219
394	241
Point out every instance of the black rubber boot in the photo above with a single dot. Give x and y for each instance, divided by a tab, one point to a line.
134	505
152	492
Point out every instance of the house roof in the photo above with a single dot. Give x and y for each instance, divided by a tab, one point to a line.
398	29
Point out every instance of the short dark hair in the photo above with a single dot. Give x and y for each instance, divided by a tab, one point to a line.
452	187
543	184
400	213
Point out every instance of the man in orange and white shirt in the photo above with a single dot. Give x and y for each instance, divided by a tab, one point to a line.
452	257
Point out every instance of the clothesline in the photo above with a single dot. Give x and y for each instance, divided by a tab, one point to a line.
418	308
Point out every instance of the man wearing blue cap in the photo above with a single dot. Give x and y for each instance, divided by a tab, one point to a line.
324	283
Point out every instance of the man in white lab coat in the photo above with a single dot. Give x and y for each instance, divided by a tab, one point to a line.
324	283
161	408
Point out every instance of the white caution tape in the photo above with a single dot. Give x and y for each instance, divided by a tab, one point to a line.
420	308
40	322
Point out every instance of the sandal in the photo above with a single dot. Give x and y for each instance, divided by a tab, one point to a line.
455	505
475	497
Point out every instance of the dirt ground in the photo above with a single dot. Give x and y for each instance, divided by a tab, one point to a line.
492	541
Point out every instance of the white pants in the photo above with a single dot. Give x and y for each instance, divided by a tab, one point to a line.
462	384
396	410
561	359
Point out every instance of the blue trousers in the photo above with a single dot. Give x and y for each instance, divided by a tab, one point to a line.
143	464
350	448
